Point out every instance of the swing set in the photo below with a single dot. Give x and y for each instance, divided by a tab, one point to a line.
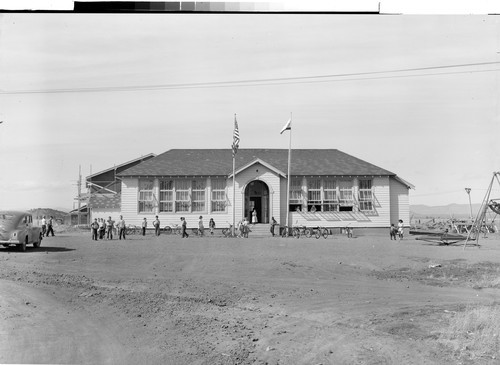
480	224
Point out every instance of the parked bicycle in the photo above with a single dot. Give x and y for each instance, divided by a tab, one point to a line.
319	232
301	231
228	232
131	229
285	231
172	229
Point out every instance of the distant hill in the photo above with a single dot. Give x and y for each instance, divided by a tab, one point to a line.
58	215
444	211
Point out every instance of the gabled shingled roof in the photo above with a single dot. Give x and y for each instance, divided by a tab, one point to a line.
219	162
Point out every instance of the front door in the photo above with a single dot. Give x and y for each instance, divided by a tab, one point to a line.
257	197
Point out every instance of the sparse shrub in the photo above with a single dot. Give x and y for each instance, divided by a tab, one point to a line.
475	332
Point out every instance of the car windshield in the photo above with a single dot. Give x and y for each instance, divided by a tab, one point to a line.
9	220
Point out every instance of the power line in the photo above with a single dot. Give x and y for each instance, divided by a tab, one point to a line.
267	81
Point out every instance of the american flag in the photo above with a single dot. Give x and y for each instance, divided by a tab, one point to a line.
236	137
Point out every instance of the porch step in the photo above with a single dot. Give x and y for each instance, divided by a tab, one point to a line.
261	230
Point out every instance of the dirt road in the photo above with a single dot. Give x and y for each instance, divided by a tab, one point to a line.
212	300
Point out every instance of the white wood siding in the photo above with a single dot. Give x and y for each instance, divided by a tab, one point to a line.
391	202
130	191
380	217
400	202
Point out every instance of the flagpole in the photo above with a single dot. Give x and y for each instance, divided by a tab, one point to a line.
234	186
288	178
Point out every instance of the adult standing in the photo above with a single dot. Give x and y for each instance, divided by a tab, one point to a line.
50	229
144	226
121	228
254	216
156	224
44	226
94	227
273	223
109	228
183	228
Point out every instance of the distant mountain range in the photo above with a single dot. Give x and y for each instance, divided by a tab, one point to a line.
444	211
58	215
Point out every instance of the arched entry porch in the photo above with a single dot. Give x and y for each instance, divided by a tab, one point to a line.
257	197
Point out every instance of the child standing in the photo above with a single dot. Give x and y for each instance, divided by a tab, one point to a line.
400	229
393	231
201	228
211	225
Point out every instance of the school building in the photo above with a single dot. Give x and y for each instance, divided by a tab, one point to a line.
328	188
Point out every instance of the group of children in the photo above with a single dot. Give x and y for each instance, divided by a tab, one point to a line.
397	231
101	228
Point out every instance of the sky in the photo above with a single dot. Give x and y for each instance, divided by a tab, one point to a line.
417	95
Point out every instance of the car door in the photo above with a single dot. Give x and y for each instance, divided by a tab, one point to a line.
29	228
22	228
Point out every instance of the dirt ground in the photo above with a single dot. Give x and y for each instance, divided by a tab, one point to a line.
212	300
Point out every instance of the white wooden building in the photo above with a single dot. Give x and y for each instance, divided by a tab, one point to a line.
328	188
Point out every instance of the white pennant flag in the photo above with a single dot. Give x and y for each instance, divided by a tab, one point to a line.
288	126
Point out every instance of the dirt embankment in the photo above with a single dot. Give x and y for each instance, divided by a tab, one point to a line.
248	301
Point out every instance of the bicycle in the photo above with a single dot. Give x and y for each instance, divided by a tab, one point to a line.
319	232
285	231
172	229
302	231
228	232
131	229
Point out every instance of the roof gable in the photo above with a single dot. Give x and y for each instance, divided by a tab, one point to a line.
219	162
123	166
258	161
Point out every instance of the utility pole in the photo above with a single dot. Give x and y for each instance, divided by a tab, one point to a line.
467	190
79	193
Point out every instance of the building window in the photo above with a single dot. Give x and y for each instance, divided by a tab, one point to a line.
346	198
166	196
330	201
182	200
198	196
146	196
365	195
218	195
314	194
296	197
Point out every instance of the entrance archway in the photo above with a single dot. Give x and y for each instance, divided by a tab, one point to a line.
257	197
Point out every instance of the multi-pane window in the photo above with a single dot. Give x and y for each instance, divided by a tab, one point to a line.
218	195
295	193
198	196
330	202
166	196
182	195
314	194
365	195
346	198
146	203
